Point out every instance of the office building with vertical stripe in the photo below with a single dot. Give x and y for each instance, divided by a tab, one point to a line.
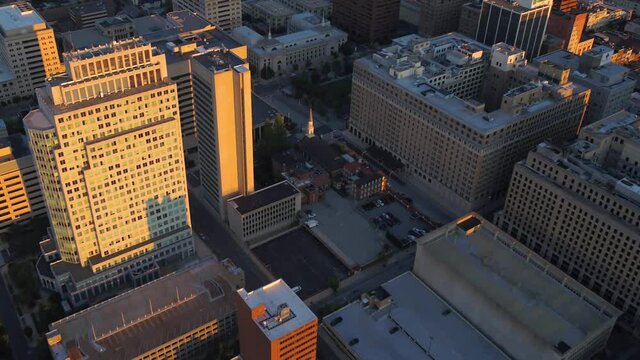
522	24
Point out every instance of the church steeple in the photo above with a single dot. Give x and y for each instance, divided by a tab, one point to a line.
310	128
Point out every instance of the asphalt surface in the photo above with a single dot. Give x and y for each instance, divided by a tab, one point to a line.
19	347
222	244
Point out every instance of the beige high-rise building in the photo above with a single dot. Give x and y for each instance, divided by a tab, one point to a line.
417	102
108	148
226	14
579	207
28	52
222	93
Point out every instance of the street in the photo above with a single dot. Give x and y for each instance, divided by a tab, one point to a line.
19	347
221	242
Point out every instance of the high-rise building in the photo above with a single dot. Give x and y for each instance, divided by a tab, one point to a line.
86	14
227	14
367	20
521	24
578	206
439	17
564	31
417	100
275	324
222	94
28	53
108	149
610	83
469	18
20	194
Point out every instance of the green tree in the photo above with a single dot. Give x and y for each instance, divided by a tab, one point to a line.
23	277
326	69
334	284
296	67
274	140
267	72
336	66
347	49
5	349
315	77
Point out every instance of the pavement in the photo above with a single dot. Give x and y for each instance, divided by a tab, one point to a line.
20	349
223	245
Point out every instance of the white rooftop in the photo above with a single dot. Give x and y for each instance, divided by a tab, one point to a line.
426	325
11	18
273	296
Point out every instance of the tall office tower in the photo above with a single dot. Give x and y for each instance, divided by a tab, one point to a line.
564	31
610	83
20	194
469	18
226	14
500	76
367	20
439	17
222	93
108	149
28	53
521	24
275	324
578	207
443	135
565	5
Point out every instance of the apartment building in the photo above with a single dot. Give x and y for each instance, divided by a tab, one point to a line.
226	14
578	207
182	315
275	324
28	53
311	45
222	99
367	20
107	145
20	194
439	17
521	24
438	129
265	212
610	83
523	304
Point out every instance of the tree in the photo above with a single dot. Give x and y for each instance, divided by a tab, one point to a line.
336	67
23	277
28	332
315	77
334	283
267	72
326	69
347	49
296	67
274	141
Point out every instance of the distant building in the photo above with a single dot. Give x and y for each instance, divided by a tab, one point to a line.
469	18
222	98
275	324
521	24
526	306
116	190
578	207
410	11
565	5
439	16
20	194
601	15
86	14
180	316
403	94
367	20
610	83
311	45
265	212
227	14
273	13
368	185
321	8
565	30
28	53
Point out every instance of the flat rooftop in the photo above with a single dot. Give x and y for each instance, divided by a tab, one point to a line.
426	325
274	8
220	61
148	316
525	305
264	197
11	18
273	296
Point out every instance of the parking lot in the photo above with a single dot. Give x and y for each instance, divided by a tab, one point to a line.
342	222
301	260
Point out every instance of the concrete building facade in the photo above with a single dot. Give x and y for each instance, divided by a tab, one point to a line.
107	145
469	18
522	24
85	15
442	135
275	324
578	207
367	20
317	7
222	95
28	53
226	14
564	31
273	13
439	17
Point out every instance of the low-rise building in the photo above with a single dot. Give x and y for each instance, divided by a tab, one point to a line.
275	324
179	316
86	14
285	54
273	13
610	83
316	7
601	15
265	212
